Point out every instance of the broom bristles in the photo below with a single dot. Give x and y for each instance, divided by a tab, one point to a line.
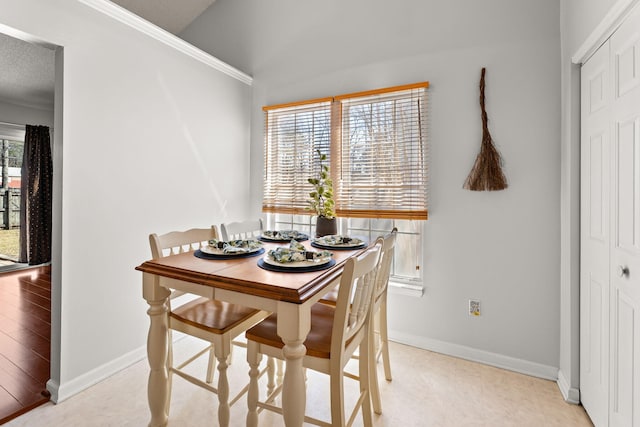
486	174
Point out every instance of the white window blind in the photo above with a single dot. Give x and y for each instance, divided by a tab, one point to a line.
293	134
382	160
376	143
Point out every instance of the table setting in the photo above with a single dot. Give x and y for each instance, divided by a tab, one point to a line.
217	249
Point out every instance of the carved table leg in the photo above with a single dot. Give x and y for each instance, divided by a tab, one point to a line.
294	323
294	394
253	358
223	391
157	347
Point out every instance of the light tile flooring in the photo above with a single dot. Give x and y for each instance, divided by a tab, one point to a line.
428	390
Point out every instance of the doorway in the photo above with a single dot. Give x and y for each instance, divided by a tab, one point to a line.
28	82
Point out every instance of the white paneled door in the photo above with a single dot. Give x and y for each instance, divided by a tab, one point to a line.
610	230
594	235
624	402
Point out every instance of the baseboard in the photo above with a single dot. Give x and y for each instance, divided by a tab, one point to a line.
570	394
475	355
61	392
16	266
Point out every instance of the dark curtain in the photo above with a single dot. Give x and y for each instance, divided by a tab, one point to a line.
35	203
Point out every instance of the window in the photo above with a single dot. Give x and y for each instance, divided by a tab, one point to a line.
376	143
10	163
11	148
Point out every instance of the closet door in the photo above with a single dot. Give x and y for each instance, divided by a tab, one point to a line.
625	225
594	234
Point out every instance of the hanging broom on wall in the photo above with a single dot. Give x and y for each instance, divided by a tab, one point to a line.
486	174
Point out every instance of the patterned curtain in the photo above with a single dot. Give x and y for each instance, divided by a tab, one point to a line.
35	204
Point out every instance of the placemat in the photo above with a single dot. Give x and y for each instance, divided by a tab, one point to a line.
300	238
199	254
338	248
283	269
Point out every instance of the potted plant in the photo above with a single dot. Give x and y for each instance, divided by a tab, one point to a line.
321	200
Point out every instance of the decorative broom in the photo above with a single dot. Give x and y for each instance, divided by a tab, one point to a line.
486	174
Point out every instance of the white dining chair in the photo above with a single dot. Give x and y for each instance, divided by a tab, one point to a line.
336	333
380	331
248	229
216	322
380	335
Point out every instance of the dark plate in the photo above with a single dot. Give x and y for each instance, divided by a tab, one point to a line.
285	269
199	254
338	248
300	238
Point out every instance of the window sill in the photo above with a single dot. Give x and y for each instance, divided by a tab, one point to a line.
406	289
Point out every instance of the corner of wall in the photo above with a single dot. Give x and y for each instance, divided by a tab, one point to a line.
570	394
64	390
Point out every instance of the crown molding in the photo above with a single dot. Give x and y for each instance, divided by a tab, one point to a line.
134	21
609	24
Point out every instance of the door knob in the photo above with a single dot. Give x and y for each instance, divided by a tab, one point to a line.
623	271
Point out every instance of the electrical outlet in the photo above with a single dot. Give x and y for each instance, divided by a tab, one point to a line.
474	307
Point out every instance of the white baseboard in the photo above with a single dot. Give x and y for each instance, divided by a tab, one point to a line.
475	355
570	394
61	392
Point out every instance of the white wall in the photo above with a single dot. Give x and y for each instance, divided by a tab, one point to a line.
20	115
502	248
580	18
149	139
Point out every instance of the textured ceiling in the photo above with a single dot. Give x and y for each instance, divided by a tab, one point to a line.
26	73
27	70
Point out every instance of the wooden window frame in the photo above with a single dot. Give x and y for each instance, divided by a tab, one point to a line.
343	209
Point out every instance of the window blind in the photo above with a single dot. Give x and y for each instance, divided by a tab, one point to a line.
293	134
381	170
376	143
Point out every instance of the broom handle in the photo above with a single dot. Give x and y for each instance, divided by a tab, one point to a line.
485	119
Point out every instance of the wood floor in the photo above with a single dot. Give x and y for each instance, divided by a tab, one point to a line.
25	340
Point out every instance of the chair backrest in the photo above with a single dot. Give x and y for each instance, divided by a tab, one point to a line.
249	229
388	243
176	242
355	298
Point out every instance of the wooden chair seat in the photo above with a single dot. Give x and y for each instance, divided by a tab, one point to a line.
318	341
216	317
331	297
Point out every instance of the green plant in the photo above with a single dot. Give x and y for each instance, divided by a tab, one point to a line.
321	201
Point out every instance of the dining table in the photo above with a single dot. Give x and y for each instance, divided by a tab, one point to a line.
240	280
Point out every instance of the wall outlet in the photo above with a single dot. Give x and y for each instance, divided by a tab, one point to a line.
474	307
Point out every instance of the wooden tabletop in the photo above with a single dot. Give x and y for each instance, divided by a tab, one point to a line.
245	276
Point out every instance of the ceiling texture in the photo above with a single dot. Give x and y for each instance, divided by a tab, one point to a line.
27	70
26	74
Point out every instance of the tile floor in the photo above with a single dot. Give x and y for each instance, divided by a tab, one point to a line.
428	390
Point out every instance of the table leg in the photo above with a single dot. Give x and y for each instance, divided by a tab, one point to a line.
157	348
294	323
294	394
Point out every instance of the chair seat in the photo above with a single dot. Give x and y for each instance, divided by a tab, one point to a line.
331	297
318	341
213	316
